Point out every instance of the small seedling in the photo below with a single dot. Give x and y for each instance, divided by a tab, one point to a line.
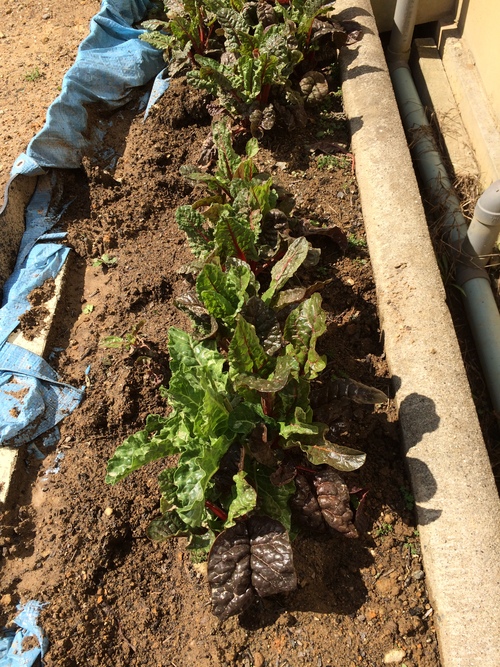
131	341
408	498
411	548
356	242
331	162
104	260
384	529
33	75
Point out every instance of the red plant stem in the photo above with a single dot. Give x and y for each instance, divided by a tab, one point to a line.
239	252
264	92
304	469
219	513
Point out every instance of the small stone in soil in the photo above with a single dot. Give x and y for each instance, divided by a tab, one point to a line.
394	656
258	659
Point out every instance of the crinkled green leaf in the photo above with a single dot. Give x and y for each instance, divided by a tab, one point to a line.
266	324
246	354
234	237
167	526
252	147
301	425
161	437
227	158
274	383
339	457
303	327
272	500
283	270
244	501
168	490
243	419
211	419
217	292
193	224
198	462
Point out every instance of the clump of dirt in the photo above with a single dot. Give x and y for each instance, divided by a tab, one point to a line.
33	321
114	597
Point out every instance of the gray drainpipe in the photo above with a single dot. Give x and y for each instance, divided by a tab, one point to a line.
480	305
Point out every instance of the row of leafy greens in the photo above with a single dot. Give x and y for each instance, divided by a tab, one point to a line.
253	464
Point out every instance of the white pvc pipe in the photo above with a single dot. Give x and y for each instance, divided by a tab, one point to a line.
485	226
405	16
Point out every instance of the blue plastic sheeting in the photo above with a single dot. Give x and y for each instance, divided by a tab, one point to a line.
11	644
110	63
160	85
32	398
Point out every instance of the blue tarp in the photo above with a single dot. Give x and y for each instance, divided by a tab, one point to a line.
12	652
111	63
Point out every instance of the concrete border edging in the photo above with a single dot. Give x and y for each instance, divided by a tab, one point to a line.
458	507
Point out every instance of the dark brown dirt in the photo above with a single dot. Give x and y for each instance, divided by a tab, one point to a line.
116	599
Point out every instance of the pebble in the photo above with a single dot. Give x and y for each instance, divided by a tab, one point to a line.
6	599
418	575
394	656
258	659
46	16
108	511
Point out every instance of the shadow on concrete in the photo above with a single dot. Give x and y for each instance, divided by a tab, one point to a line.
418	416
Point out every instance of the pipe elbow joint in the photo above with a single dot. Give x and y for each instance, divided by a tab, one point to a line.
487	210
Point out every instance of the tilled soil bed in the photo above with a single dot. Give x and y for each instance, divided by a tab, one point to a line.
113	597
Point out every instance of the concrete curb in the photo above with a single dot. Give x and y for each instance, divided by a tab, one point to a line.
458	507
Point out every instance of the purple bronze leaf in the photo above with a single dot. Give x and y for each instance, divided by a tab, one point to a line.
305	505
271	557
229	572
252	557
334	501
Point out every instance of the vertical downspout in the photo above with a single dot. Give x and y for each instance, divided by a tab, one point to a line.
480	304
405	16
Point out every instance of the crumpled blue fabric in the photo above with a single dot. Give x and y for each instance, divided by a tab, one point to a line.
111	63
11	643
33	400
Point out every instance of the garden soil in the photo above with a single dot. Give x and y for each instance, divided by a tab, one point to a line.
113	598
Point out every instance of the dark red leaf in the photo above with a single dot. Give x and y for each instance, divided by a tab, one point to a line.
324	501
334	501
229	572
252	557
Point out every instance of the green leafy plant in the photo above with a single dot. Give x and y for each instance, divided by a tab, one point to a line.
253	460
130	341
356	242
104	260
258	60
330	162
384	529
33	75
